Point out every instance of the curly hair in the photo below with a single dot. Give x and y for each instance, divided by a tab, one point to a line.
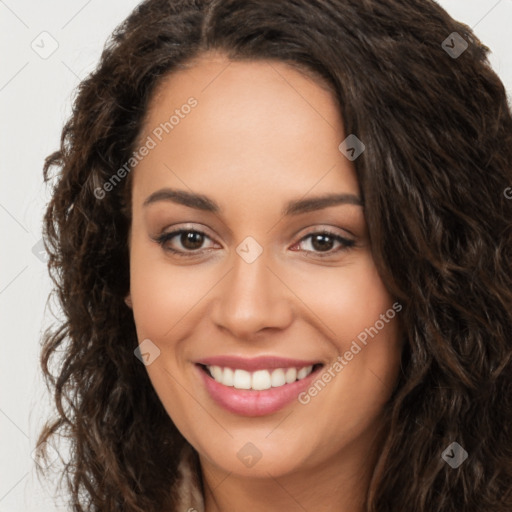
438	135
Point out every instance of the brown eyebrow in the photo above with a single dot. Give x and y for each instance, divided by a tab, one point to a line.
190	199
294	207
317	203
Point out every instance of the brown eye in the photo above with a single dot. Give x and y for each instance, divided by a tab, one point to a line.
192	240
188	241
321	243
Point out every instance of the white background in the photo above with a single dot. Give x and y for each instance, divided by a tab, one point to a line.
35	101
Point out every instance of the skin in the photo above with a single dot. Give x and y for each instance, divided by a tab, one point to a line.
261	135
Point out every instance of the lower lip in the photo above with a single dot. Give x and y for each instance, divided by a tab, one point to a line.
255	403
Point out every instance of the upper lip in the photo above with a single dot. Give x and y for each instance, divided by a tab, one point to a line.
256	363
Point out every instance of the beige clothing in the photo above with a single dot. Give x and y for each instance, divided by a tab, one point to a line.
188	485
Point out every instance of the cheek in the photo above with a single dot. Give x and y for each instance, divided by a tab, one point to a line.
163	293
345	300
348	303
355	311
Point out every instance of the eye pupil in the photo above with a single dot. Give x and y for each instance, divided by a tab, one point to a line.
192	240
325	242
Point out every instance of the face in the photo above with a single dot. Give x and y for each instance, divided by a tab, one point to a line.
250	261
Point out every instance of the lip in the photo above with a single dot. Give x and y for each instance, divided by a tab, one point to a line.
255	403
255	363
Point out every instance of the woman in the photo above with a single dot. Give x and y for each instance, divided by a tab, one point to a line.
281	241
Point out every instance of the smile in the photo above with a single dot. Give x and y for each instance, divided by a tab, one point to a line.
258	386
258	380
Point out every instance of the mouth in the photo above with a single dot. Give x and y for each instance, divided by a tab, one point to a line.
258	380
260	392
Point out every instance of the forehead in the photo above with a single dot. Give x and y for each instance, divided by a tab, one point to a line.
237	89
200	73
251	123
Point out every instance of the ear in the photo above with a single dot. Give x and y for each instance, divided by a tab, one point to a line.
128	301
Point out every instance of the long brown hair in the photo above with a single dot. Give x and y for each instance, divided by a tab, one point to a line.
438	135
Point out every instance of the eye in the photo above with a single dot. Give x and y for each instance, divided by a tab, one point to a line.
191	241
322	242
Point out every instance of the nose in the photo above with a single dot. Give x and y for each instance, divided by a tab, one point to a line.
251	298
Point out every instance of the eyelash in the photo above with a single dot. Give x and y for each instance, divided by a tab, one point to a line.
162	239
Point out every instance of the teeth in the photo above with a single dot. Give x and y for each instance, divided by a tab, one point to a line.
303	372
278	378
242	379
217	372
227	376
260	379
290	375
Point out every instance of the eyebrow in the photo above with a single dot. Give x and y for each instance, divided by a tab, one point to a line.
190	199
294	207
